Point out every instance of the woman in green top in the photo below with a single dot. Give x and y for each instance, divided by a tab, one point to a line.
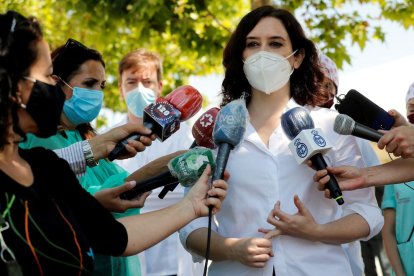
81	73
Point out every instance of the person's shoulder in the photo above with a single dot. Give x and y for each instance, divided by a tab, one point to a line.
40	155
323	116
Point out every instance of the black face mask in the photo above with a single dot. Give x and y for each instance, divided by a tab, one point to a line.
411	118
45	107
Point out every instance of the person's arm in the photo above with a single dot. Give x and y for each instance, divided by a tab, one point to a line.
104	143
147	229
89	152
352	178
398	141
390	242
254	252
302	225
111	200
153	168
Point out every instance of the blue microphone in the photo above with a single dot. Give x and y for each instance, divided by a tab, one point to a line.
228	132
309	143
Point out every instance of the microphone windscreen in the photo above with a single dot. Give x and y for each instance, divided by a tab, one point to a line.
295	120
187	100
364	111
188	167
344	124
203	128
230	124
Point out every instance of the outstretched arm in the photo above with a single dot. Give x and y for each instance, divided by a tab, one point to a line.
147	229
352	178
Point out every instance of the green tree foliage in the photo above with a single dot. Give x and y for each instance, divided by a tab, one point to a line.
190	34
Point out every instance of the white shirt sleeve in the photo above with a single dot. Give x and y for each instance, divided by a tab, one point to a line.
75	157
192	226
361	201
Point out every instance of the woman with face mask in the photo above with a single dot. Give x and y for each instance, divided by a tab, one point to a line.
80	71
49	224
269	59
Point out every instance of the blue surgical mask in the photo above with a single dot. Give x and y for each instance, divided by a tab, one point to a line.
84	106
139	98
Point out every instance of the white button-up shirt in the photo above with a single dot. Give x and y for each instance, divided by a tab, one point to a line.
262	175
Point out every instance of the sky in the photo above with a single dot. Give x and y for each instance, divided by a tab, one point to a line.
382	71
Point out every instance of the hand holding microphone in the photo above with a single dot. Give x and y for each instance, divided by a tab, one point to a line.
309	143
185	168
228	132
164	116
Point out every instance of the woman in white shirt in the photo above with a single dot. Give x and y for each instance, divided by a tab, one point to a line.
269	58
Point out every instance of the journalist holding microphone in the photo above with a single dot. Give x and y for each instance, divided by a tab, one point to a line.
49	224
269	58
398	141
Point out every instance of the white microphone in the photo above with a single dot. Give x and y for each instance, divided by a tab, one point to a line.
308	143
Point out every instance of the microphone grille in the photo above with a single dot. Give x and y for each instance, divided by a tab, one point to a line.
344	124
295	120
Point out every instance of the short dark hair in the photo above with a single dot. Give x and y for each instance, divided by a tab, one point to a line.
305	81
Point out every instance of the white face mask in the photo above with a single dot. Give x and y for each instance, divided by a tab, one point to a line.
267	72
139	98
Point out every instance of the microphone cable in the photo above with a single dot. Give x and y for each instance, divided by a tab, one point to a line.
207	256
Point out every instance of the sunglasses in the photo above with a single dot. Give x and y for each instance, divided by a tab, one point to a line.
72	47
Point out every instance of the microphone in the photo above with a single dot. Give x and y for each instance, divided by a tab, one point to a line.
345	125
202	132
185	169
364	111
163	117
308	143
228	132
203	129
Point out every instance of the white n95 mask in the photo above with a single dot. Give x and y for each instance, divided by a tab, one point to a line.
139	98
267	72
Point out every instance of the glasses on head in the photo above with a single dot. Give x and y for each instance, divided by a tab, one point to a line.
71	47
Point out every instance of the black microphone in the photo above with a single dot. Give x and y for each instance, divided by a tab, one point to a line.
309	143
345	125
364	111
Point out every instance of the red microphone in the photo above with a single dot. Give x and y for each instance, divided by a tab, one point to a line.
203	129
164	116
186	99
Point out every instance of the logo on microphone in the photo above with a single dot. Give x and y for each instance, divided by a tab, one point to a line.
319	140
301	148
206	120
